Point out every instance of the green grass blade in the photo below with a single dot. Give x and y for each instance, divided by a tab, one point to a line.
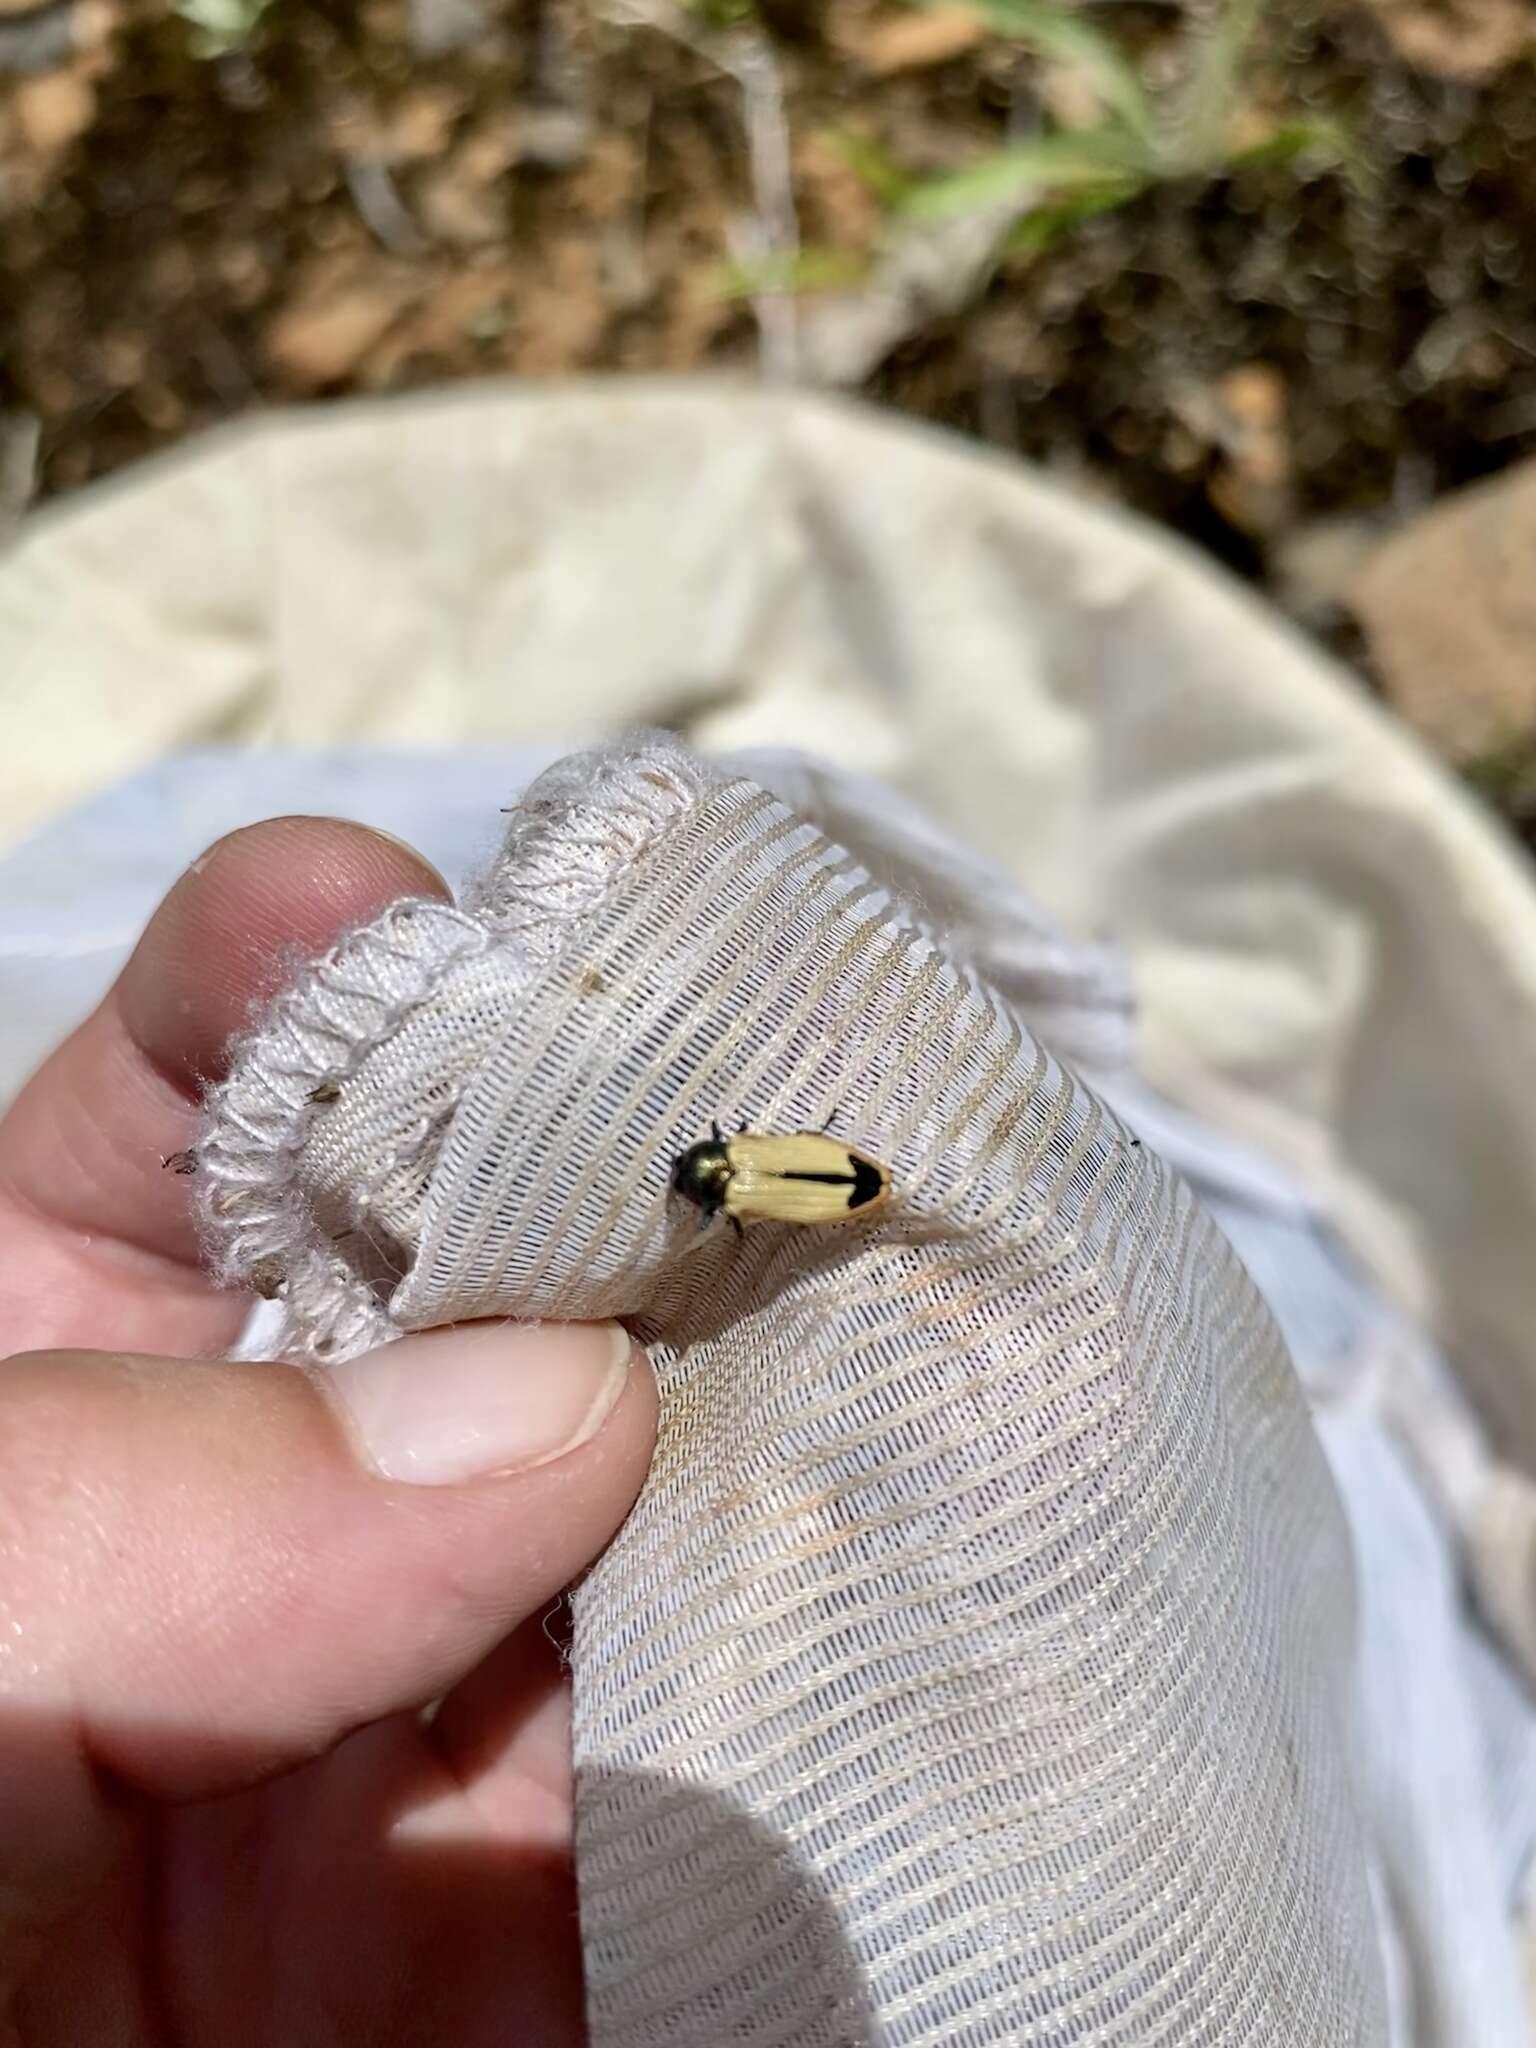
1067	39
806	270
1312	146
872	164
1064	161
1195	125
1043	226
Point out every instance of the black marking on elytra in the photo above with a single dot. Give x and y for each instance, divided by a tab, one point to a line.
867	1183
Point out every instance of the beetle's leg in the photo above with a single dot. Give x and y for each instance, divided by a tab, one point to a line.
735	1223
718	1133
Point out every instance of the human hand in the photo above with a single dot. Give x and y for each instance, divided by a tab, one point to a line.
227	1590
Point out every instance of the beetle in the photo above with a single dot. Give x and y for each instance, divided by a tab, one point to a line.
799	1177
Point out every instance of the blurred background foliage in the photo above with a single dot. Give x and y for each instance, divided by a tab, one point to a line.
1267	274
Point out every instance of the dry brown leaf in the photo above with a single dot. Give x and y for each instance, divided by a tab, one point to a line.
1449	611
1070	96
693	317
354	128
340	308
462	307
94	21
561	313
456	209
1242	416
608	183
422	124
1467	40
460	201
916	41
1255	398
51	111
837	205
489	150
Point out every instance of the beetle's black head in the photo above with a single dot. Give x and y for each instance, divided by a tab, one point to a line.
700	1175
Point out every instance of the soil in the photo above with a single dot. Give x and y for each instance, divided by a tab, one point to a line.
367	197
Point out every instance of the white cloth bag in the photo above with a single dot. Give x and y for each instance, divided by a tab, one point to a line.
975	1665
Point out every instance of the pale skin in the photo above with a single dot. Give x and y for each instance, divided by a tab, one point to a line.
223	1819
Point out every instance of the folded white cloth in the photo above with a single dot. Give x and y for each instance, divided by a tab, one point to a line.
983	1661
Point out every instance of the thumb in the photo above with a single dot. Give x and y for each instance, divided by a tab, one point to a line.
209	1573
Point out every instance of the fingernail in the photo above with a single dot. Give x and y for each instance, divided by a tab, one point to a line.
405	846
452	1405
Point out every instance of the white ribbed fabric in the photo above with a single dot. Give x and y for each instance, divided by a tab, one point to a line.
975	1667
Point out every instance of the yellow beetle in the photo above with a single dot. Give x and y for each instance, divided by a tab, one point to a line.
801	1177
